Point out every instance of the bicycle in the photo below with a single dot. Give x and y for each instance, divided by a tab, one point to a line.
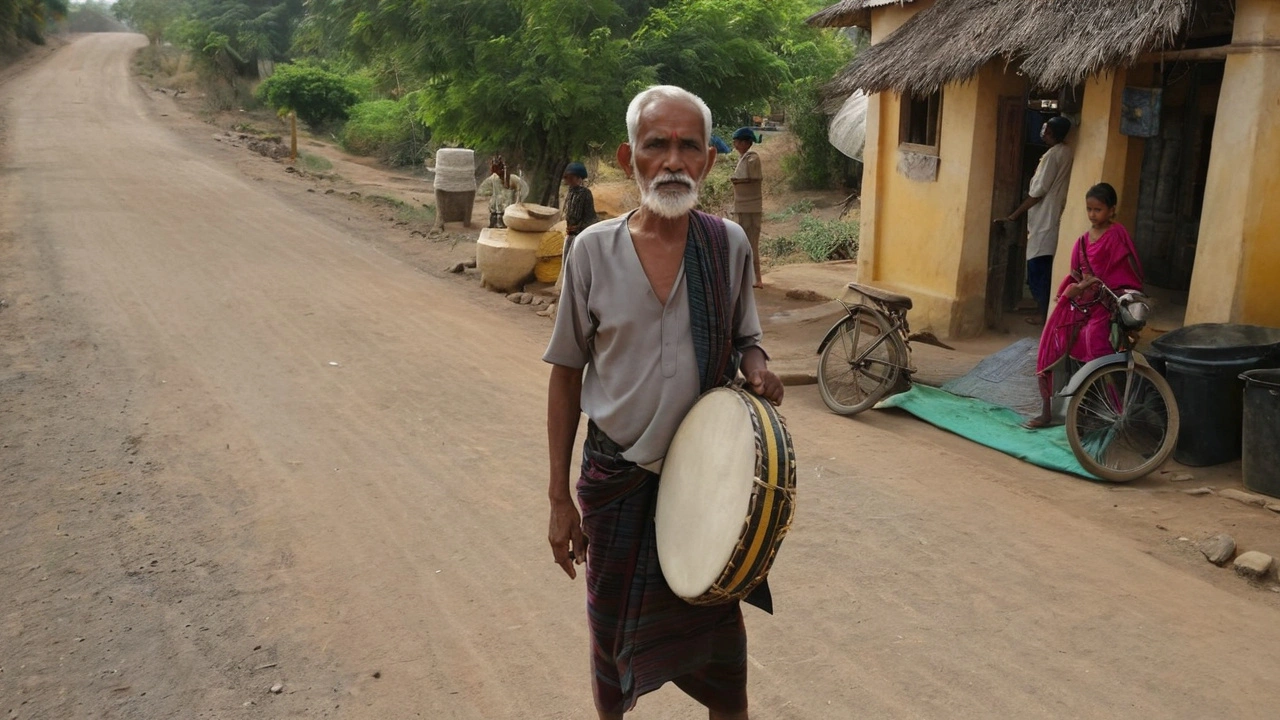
866	356
1122	419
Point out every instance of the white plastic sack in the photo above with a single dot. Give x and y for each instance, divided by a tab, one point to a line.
848	129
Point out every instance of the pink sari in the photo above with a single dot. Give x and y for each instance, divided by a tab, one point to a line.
1083	329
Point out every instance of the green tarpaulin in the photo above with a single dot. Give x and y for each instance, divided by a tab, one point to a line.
997	427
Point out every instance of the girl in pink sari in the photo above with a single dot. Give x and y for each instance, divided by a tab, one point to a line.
1080	326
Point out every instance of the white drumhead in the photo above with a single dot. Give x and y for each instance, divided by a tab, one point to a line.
704	492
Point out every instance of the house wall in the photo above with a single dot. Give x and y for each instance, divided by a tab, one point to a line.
1237	263
1101	154
929	239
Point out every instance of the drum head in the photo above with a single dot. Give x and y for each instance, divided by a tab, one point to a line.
705	492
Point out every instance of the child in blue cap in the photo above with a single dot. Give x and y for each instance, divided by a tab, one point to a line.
579	204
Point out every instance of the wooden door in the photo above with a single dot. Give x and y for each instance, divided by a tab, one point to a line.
1005	243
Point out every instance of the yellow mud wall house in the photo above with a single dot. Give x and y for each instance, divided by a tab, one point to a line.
1237	275
953	77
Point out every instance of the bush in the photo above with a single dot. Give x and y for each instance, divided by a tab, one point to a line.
317	95
818	165
827	239
716	194
803	206
391	130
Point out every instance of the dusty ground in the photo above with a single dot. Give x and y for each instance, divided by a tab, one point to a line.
253	435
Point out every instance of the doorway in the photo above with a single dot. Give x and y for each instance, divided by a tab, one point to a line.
1175	167
1006	241
1018	152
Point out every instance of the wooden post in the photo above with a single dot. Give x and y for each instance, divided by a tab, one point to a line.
293	136
1219	52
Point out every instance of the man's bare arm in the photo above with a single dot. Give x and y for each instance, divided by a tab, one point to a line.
1026	205
564	408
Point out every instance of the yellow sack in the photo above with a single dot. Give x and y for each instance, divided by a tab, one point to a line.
551	245
547	270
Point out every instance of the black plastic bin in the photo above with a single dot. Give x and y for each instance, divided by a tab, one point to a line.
1203	364
1262	431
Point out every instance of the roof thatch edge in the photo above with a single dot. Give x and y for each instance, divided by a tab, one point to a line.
1054	44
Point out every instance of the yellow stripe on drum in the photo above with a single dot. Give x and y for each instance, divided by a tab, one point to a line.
748	562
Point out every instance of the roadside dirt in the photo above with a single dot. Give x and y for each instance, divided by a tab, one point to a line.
254	435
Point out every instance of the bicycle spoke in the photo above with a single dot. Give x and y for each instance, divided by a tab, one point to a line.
860	363
1120	420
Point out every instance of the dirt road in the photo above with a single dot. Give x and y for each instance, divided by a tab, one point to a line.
243	447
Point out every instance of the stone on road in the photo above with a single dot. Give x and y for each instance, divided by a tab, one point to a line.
1247	498
1218	549
1253	564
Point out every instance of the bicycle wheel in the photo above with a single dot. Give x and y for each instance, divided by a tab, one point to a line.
1121	426
861	363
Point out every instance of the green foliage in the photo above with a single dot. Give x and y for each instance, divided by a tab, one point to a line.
817	165
716	194
319	96
825	240
723	50
388	129
314	163
800	207
779	250
545	81
149	17
27	19
230	36
420	215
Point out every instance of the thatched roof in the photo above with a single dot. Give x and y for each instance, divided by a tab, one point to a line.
849	13
1056	43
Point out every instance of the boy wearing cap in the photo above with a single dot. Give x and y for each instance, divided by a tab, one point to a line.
748	196
579	204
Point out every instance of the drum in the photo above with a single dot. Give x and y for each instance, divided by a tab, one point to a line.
726	497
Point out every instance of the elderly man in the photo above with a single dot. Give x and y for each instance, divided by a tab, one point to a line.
748	193
656	307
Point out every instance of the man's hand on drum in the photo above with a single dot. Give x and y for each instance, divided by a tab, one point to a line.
760	379
565	536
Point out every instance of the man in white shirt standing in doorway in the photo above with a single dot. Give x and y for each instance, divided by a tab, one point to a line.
1044	205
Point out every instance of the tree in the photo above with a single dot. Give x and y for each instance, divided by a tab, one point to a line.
149	17
231	35
547	80
27	19
317	95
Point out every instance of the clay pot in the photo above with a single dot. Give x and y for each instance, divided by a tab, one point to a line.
527	217
506	257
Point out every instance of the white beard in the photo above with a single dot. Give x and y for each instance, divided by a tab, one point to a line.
668	202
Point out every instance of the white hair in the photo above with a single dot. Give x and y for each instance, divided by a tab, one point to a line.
656	93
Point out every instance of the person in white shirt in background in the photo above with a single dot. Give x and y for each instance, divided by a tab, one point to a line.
504	189
1046	200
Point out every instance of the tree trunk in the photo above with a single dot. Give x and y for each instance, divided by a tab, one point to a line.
548	171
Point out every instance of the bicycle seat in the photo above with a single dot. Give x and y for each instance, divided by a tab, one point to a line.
893	301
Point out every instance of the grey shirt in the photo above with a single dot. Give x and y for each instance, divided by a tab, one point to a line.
641	371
